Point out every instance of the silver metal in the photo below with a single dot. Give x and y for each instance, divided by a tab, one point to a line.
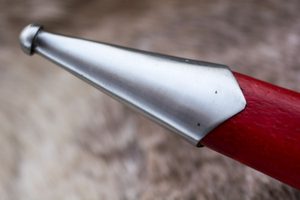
27	37
189	97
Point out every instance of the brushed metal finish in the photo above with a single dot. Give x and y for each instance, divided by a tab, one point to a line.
189	97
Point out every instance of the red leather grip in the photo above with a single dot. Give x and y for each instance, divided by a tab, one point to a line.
266	134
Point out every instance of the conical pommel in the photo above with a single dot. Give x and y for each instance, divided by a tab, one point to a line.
189	97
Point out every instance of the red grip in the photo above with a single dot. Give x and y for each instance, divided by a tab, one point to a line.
266	134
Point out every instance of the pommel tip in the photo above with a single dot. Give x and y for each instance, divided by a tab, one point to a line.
27	37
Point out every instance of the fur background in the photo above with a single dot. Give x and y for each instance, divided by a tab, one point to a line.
62	139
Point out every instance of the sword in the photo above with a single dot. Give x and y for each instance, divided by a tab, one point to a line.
251	121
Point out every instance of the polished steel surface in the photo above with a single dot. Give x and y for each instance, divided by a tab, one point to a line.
27	37
189	97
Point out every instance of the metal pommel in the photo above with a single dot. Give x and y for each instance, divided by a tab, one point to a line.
27	37
189	97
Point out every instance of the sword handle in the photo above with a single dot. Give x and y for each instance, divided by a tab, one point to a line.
266	135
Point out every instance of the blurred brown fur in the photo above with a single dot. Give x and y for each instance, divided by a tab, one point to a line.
63	139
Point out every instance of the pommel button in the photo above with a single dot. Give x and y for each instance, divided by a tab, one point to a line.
27	37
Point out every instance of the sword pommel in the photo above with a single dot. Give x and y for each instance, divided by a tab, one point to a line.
189	97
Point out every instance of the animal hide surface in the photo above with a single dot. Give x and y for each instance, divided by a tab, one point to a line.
63	139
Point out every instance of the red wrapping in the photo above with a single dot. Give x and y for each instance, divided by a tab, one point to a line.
266	135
